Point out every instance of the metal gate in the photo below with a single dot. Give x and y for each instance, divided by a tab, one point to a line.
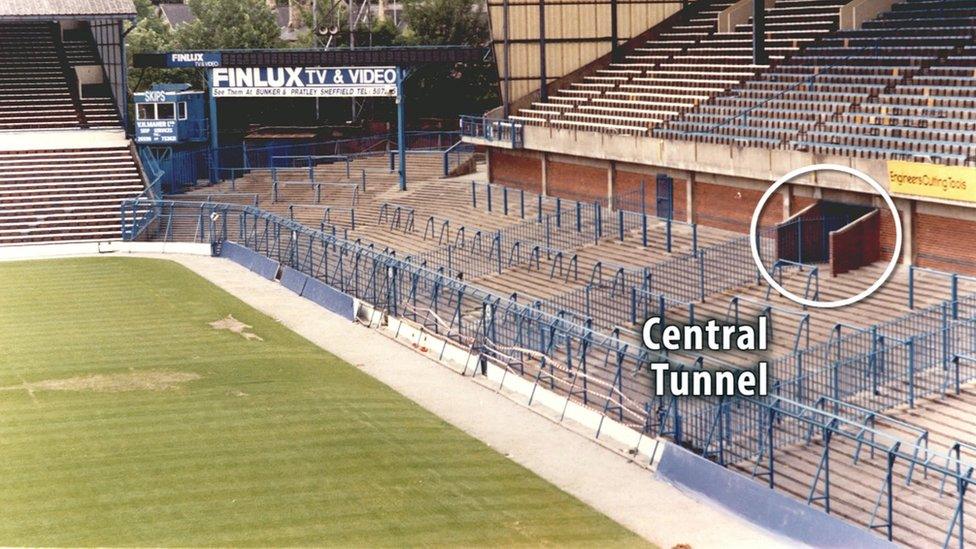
665	190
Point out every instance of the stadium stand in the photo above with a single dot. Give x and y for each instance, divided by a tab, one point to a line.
65	194
895	88
40	86
65	163
686	64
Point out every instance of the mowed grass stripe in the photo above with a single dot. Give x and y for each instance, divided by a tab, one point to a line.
276	443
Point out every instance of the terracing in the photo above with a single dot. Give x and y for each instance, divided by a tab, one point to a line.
507	292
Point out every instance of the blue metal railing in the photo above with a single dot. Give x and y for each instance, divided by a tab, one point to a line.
455	156
493	129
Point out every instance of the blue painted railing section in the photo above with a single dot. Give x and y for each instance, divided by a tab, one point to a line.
183	169
428	294
497	130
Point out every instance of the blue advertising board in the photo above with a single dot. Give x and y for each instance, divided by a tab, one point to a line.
304	82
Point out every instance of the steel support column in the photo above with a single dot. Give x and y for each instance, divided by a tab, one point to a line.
214	142
613	30
401	129
759	32
543	92
507	56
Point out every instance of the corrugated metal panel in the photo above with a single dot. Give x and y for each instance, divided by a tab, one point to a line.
61	8
577	32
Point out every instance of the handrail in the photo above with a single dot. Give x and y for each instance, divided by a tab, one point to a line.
803	326
812	278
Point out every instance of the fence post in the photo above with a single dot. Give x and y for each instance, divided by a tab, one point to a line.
911	286
800	397
598	214
539	209
547	232
620	224
945	335
955	296
911	371
505	200
694	238
668	230
874	359
474	195
522	203
559	212
579	216
488	190
701	274
644	228
498	239
799	239
633	305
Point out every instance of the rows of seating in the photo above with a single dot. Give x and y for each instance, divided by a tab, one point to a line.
899	87
685	65
65	195
38	87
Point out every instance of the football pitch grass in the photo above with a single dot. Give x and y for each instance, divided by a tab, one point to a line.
127	419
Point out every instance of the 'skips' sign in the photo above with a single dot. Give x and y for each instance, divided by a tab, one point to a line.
303	81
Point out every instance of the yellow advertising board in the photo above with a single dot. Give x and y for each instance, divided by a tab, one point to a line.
932	180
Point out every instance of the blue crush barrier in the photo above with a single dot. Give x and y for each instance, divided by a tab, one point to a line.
255	262
775	511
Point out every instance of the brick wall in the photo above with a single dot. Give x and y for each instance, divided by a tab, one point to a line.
731	208
803	238
887	223
577	182
944	243
680	199
516	170
627	189
798	203
856	245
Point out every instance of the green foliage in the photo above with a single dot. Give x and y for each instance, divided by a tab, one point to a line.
447	91
276	444
144	8
151	34
446	22
229	24
434	91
